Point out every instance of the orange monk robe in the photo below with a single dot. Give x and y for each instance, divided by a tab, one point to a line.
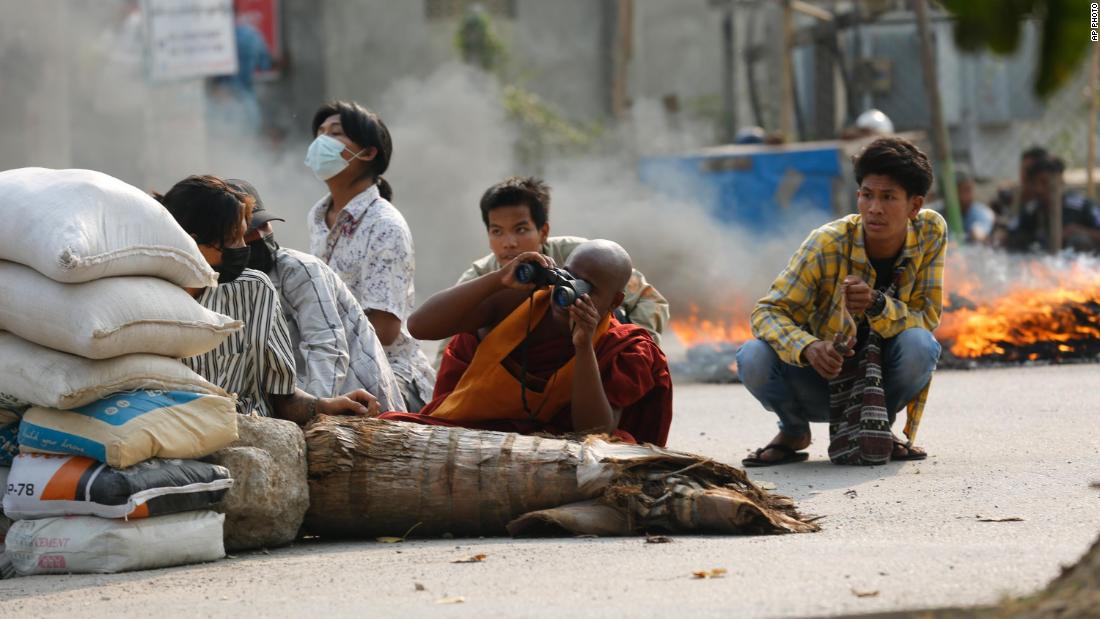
634	370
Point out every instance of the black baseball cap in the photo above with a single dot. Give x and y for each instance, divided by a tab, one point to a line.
260	215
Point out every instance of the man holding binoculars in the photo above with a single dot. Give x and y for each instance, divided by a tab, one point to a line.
516	214
537	349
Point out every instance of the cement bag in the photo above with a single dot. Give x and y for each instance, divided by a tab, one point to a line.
128	428
90	545
9	437
108	317
44	377
80	225
43	486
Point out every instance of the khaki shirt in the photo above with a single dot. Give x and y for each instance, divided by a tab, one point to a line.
643	304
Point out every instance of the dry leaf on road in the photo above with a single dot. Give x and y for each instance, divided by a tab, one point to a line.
658	539
717	572
395	540
454	599
865	594
417	586
473	559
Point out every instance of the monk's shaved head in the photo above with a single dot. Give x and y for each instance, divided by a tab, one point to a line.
604	264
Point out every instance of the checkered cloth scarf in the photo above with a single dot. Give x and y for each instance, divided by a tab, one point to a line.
859	424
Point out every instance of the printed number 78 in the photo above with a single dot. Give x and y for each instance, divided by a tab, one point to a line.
21	489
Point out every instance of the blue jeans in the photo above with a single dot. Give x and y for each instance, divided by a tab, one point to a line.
799	395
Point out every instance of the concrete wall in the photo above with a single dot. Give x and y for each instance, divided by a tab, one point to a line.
557	49
678	51
72	95
561	51
370	44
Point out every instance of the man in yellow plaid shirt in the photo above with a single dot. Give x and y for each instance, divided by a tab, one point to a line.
842	269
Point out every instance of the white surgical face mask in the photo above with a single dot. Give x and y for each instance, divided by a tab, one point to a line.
324	157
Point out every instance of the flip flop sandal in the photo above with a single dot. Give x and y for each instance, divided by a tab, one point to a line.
789	456
910	453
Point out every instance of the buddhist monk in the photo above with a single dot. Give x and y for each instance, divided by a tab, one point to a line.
522	361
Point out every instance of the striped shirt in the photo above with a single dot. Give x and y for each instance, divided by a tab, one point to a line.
258	360
804	302
335	347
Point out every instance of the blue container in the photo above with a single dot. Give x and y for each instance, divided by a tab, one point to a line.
755	186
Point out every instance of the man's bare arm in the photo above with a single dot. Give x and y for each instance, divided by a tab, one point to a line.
301	408
471	305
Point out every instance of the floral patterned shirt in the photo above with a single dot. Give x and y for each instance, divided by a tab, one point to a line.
371	249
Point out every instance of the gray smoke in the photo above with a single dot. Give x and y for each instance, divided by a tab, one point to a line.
74	95
453	139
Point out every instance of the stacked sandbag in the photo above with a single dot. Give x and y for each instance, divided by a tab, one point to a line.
129	428
129	493
76	515
79	225
94	317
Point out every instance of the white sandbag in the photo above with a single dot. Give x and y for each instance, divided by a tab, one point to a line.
108	317
80	225
90	545
9	438
43	486
128	428
41	376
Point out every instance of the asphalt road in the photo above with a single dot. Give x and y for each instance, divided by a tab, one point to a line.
1007	443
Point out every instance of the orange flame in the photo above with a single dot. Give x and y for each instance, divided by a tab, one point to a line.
695	330
1024	318
1056	307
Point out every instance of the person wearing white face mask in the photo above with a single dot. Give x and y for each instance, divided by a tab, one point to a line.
364	238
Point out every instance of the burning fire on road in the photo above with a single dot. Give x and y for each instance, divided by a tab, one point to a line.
998	309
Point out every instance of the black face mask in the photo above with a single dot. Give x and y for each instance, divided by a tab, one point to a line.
263	253
234	261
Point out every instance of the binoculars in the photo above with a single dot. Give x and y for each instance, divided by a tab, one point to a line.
567	289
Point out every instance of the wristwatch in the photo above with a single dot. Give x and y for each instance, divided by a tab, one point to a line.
878	303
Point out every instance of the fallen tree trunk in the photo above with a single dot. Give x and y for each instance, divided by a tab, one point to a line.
371	478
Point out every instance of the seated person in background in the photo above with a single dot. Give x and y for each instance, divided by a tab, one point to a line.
257	362
521	362
1007	199
335	346
1029	227
978	218
516	214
